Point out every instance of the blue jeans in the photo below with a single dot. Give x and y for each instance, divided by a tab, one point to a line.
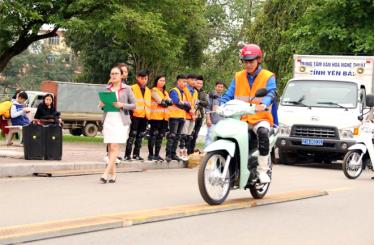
208	139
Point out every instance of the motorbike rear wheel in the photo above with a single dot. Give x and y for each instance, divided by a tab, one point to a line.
351	166
258	190
214	190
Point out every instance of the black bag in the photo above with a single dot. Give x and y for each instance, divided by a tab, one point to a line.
33	142
53	142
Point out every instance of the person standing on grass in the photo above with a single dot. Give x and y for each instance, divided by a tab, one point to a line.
116	124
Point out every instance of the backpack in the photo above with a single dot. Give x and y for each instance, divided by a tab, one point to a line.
5	109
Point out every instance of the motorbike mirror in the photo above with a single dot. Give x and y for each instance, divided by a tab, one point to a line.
370	100
261	92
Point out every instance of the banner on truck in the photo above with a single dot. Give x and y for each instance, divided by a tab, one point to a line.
335	68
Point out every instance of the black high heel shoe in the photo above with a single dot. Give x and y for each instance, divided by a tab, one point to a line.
112	179
103	180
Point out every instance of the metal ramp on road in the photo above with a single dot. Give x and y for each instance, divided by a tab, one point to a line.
37	231
78	172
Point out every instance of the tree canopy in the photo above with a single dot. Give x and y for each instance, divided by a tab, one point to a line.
170	36
162	36
330	27
21	21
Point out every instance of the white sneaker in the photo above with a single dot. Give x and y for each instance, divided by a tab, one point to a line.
263	177
185	156
181	154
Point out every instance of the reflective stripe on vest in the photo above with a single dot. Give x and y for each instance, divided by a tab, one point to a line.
142	102
174	111
158	112
244	92
192	99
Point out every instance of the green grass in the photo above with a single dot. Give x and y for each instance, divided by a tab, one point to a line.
99	139
71	138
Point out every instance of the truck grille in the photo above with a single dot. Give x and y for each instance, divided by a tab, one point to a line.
314	132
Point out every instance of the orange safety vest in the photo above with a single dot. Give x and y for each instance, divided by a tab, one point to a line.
192	99
158	112
244	93
174	111
142	103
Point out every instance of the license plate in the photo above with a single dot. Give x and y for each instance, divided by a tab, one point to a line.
312	142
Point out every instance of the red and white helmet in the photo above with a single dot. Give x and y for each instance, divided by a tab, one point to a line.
250	52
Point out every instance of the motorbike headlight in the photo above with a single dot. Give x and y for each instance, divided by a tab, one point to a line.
346	134
284	130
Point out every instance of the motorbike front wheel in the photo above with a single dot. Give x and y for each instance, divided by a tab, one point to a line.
213	188
352	164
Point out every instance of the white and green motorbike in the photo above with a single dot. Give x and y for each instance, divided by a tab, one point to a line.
230	162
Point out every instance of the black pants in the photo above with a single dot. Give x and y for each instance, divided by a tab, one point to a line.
157	133
175	128
137	131
192	143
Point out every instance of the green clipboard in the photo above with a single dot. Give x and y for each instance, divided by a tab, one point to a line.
108	98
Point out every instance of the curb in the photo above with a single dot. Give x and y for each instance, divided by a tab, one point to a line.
11	154
30	169
37	231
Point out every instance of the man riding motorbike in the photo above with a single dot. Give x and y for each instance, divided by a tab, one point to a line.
243	87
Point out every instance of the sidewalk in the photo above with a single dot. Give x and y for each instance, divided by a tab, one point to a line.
76	156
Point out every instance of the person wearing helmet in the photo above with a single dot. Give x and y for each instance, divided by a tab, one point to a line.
243	87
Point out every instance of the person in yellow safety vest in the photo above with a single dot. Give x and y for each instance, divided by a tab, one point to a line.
140	116
177	114
244	87
160	102
192	97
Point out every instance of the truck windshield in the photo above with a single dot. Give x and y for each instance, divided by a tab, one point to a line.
332	94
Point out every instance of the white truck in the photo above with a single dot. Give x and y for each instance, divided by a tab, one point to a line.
77	103
320	106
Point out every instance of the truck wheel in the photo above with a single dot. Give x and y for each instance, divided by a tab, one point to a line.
90	130
75	131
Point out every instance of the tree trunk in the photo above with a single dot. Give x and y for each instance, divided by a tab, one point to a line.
21	45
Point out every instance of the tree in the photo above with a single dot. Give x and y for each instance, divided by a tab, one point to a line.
331	27
163	36
32	66
229	23
21	20
335	27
